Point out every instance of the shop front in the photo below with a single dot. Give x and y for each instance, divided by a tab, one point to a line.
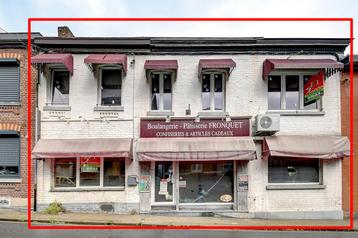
194	165
83	174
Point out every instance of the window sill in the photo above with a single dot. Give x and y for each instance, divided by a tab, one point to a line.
213	114
10	180
102	189
10	104
297	112
109	108
56	108
295	186
160	113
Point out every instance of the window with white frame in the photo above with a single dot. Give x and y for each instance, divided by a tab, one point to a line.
60	87
286	92
89	172
293	170
111	86
161	91
213	91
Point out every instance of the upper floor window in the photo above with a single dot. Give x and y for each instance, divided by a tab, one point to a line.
286	92
9	155
161	91
9	82
213	91
60	89
111	86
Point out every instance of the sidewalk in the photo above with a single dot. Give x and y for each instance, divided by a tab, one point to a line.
152	220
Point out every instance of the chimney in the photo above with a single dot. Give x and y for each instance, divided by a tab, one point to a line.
64	32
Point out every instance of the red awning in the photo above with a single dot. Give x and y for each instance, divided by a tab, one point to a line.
161	64
67	148
227	64
120	59
66	59
196	149
272	64
306	146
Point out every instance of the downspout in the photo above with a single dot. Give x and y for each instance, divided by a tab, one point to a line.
37	135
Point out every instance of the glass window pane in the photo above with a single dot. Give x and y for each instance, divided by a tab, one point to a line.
218	92
205	92
9	171
312	105
164	181
60	87
113	172
111	87
155	92
274	92
65	172
288	170
167	92
9	155
89	171
292	92
206	182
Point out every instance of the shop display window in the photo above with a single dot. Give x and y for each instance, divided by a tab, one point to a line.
65	172
206	182
113	172
89	172
292	170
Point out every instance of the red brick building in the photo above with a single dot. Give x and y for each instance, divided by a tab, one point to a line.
345	93
13	119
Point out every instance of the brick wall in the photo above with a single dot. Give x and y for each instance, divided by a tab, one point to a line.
17	115
345	94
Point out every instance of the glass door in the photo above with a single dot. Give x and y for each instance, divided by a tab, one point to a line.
163	189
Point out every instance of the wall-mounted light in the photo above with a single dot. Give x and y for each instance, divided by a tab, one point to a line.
227	118
188	111
167	119
197	119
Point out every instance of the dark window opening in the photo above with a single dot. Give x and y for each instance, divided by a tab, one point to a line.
111	87
60	88
291	170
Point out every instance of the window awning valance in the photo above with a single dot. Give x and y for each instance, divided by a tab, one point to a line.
67	148
226	64
65	59
307	146
150	65
273	64
161	65
196	149
120	59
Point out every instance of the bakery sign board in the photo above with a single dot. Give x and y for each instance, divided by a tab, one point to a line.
190	128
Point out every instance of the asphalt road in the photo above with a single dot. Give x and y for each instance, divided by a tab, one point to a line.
18	230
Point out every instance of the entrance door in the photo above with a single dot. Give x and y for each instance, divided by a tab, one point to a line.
163	187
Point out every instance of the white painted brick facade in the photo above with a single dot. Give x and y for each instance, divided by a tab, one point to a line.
246	95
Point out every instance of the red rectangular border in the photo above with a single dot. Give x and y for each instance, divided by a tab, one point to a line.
349	227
